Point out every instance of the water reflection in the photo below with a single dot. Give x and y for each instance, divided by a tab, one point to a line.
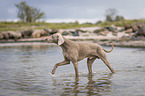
28	48
80	87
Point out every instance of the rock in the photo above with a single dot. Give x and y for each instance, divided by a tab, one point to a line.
129	31
141	31
47	30
79	30
14	35
104	33
97	31
39	33
65	33
134	28
53	31
36	34
124	38
4	35
121	30
111	29
113	26
1	36
26	33
137	38
139	24
74	33
127	26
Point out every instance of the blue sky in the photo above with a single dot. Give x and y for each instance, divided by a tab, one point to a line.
91	10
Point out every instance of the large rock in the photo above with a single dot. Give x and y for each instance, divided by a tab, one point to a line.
127	26
26	33
139	24
39	33
1	36
14	35
139	34
74	33
111	29
65	33
134	28
79	30
141	31
4	35
52	31
97	31
36	34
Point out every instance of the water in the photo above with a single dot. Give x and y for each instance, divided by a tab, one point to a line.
25	71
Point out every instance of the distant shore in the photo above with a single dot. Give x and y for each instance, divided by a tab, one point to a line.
102	40
121	39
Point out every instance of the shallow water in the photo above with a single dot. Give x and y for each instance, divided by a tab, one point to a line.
25	71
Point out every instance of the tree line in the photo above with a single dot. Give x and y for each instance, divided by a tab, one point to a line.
27	13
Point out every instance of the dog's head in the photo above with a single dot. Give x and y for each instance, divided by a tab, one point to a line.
55	38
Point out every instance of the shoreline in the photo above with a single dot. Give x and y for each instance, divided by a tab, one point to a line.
104	41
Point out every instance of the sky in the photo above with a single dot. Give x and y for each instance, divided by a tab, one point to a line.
72	10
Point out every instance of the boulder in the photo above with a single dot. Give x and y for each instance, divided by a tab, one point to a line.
14	35
139	24
65	33
129	31
79	30
134	28
141	31
74	33
26	33
1	36
127	26
97	31
36	34
4	35
111	29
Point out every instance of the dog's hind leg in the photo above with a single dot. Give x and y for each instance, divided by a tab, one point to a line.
104	58
89	64
107	64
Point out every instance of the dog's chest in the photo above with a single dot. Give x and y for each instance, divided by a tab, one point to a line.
66	55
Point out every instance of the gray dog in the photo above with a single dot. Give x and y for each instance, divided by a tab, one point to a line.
75	52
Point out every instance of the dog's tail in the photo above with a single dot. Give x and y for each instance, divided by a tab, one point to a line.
109	50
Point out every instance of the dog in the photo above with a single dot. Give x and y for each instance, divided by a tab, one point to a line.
74	52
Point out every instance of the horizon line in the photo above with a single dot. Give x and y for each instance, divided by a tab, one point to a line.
94	20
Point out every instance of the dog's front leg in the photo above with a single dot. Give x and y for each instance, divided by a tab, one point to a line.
76	68
59	64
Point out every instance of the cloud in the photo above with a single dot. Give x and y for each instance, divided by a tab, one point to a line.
12	12
76	9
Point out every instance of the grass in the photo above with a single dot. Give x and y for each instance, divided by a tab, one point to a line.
121	23
16	26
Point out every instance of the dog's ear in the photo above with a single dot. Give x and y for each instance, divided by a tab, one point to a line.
60	39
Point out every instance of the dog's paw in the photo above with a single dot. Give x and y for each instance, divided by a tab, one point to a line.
52	74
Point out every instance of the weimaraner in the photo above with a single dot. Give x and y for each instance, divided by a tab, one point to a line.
75	52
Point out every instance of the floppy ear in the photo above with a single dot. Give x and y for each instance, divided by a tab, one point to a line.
60	39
